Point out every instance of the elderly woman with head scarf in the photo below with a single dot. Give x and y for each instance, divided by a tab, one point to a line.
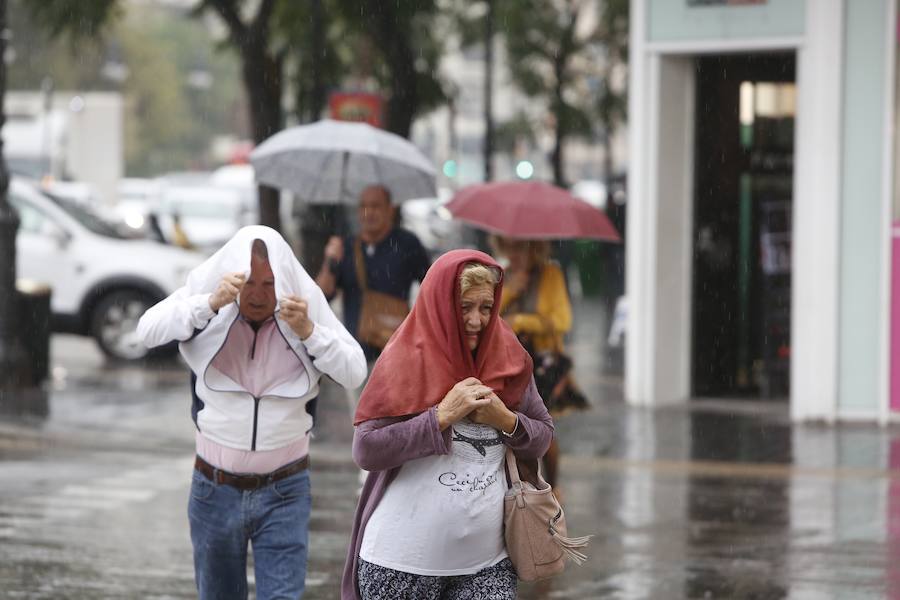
451	391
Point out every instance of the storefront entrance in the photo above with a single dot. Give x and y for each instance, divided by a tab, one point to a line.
742	232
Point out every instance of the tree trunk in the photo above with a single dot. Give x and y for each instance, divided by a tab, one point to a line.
563	123
606	144
269	207
404	97
559	111
309	78
317	93
556	159
404	100
559	135
318	222
489	91
315	223
262	75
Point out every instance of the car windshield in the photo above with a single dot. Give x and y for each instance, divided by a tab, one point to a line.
201	210
202	203
86	218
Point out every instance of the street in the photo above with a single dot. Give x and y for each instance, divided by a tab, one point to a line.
715	499
695	211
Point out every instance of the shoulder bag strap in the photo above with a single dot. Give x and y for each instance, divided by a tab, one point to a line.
512	468
361	275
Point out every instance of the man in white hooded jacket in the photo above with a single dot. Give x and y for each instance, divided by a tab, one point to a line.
257	334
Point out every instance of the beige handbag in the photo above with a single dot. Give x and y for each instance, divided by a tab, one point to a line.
535	527
380	314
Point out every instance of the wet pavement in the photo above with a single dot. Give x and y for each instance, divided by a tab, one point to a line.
716	499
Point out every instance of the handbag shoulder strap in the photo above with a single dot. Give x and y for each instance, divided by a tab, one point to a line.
512	468
361	275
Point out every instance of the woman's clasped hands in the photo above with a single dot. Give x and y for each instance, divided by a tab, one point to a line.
470	398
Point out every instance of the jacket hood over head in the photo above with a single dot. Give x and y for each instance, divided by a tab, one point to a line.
234	257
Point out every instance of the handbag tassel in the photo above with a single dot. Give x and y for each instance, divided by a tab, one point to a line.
570	546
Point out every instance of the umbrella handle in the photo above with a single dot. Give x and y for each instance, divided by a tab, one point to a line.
344	160
339	224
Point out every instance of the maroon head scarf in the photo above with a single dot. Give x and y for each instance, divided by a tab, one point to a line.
428	354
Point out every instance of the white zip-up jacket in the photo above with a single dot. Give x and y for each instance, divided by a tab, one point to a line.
224	411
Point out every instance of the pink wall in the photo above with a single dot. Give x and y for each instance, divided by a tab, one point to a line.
895	317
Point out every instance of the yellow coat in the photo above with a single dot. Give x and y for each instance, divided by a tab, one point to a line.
553	318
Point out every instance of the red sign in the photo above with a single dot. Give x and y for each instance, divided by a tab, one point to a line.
351	106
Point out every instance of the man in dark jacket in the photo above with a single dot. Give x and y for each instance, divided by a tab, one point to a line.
394	259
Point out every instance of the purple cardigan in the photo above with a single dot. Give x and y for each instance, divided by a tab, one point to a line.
381	446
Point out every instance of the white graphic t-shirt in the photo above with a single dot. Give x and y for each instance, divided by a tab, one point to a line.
443	515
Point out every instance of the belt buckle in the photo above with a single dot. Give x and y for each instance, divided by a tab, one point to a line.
251	482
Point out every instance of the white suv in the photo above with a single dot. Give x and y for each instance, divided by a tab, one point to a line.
101	281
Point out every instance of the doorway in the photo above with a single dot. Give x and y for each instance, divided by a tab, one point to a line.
742	232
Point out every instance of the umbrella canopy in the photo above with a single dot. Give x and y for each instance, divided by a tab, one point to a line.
331	162
530	210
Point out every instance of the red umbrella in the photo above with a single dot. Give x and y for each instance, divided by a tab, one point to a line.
530	210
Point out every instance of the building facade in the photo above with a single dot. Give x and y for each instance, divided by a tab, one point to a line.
761	200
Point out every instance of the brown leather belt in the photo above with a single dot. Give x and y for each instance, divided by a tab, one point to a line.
249	482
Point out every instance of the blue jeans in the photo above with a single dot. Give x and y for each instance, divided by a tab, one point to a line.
274	519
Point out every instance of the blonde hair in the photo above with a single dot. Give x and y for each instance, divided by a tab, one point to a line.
538	251
476	275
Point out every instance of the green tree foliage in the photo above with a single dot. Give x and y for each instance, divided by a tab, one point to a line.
544	45
74	18
153	55
511	132
401	38
320	53
612	104
262	55
179	95
157	118
36	52
326	43
322	45
203	90
560	53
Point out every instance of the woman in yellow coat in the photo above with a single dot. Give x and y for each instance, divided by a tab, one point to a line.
536	305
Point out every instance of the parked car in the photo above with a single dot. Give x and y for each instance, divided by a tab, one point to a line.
135	200
101	281
209	214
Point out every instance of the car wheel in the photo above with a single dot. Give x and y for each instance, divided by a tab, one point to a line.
114	324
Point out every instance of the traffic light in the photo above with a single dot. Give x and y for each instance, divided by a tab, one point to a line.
524	169
450	168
